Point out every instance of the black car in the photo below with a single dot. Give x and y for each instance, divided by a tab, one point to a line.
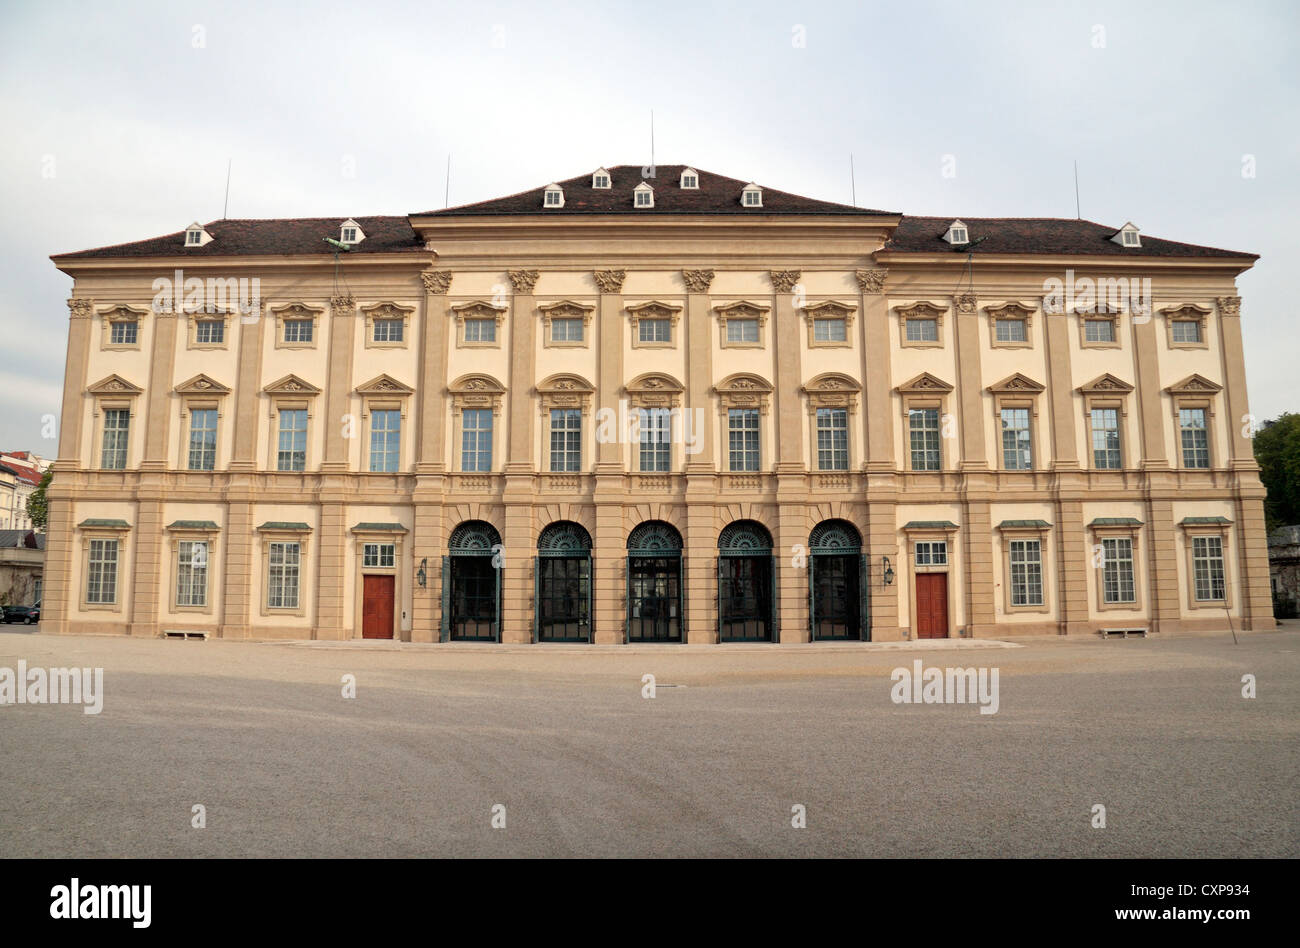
27	614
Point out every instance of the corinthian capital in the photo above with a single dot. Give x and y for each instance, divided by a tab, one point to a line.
1230	305
698	281
610	281
436	281
81	308
872	281
343	306
784	280
523	280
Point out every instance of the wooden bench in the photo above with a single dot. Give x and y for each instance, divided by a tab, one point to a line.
1125	633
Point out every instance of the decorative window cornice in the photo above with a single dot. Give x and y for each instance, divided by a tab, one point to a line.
291	385
436	282
922	309
610	281
1195	385
924	384
654	390
385	384
114	385
202	385
122	313
478	309
295	311
1017	384
1106	384
741	309
832	390
387	311
1187	312
565	390
743	390
477	391
697	281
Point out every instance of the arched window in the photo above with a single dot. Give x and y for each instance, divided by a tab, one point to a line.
838	605
562	581
746	573
655	601
471	584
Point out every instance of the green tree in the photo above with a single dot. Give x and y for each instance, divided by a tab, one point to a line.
1277	449
38	509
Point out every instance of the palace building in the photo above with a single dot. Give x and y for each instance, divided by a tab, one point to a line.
654	405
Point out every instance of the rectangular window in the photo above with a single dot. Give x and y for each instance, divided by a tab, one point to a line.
1098	330
644	199
389	330
742	330
292	452
476	439
1026	573
566	330
210	332
1105	439
192	573
566	439
101	573
480	330
1017	452
282	576
656	442
832	439
1207	567
298	330
922	330
1117	570
1011	330
117	430
1186	330
654	330
932	553
385	440
742	439
1195	439
379	555
830	330
123	332
923	425
203	439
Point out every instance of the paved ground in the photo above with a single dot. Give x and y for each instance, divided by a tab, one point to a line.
1156	730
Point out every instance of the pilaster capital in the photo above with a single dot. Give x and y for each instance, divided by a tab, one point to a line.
81	308
343	306
523	281
872	281
965	304
783	281
436	282
1230	305
698	281
610	281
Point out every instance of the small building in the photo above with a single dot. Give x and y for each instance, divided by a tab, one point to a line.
22	567
1284	570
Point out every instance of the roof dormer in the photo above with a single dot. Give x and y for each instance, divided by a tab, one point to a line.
1127	236
600	179
350	232
751	196
643	195
958	234
690	179
196	236
553	196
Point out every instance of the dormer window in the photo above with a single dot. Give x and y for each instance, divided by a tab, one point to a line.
196	236
752	196
1128	236
554	197
600	180
350	232
957	234
690	180
643	196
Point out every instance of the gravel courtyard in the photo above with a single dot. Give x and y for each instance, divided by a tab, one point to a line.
438	738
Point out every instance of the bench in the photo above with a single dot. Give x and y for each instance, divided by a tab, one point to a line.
1125	633
183	634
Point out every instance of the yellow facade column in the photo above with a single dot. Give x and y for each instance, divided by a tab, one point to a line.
792	464
701	540
977	581
609	552
338	389
1072	549
60	523
158	416
428	541
340	428
242	550
970	383
242	553
518	538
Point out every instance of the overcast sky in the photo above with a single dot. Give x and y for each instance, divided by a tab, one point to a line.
119	119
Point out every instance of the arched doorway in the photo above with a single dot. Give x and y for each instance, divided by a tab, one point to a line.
562	580
655	605
837	583
746	569
471	584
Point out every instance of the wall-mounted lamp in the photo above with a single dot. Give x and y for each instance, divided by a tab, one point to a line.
421	576
888	571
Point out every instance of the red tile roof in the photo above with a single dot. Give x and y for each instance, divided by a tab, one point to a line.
716	194
25	474
271	237
1037	235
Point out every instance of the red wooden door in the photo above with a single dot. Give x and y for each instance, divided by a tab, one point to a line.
377	607
932	605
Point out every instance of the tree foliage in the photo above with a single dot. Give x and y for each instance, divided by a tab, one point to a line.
1277	449
38	509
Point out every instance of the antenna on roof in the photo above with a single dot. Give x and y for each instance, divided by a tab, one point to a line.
1077	214
652	138
853	180
226	207
446	194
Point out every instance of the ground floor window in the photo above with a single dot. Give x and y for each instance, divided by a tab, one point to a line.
192	573
283	573
746	604
471	584
1207	567
563	584
1026	573
101	573
655	604
837	583
1117	570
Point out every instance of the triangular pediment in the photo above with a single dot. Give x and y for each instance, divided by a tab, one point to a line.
291	385
925	382
384	384
1195	384
202	385
114	385
1106	383
1016	383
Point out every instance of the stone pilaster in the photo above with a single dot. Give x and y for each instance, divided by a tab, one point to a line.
431	449
609	454
876	374
519	457
1162	567
701	552
248	388
609	561
338	390
699	367
977	581
1155	455
428	544
786	330
882	541
332	546
148	570
242	553
158	415
1060	392
518	592
791	580
970	385
1074	559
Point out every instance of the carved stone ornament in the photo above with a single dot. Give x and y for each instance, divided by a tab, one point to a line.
654	391
1021	384
343	306
743	391
610	281
201	385
387	311
965	303
1012	310
1106	383
1195	384
523	280
832	390
1230	305
384	385
922	310
81	308
291	385
927	383
477	391
436	282
565	391
1190	311
872	281
698	281
784	280
114	385
295	311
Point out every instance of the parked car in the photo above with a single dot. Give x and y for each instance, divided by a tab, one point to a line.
27	614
